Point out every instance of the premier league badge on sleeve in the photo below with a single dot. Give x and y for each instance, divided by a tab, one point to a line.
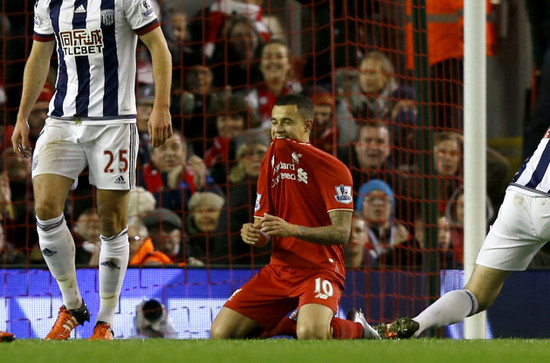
146	8
343	194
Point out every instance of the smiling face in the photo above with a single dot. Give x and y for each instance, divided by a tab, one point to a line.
373	146
170	154
287	122
275	64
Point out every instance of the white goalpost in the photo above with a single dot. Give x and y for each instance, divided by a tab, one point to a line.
475	86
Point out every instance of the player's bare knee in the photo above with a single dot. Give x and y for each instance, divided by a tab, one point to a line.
47	210
312	332
111	224
218	331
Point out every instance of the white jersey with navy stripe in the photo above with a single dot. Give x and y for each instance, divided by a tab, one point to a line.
96	50
534	174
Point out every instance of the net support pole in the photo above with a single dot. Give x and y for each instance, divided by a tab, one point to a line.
475	85
424	141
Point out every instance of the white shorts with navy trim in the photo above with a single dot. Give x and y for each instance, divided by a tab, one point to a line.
519	232
110	151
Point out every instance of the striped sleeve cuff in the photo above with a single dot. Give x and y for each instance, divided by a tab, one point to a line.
147	28
43	37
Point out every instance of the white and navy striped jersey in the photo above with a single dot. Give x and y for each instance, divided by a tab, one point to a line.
534	174
96	50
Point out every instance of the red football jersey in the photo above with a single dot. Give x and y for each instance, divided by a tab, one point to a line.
301	184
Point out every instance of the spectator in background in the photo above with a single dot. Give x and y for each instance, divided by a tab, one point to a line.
243	179
324	134
8	254
448	161
448	165
444	30
371	158
86	236
275	68
184	52
453	220
233	118
166	230
170	177
448	156
354	251
235	59
209	240
20	222
140	202
389	242
381	94
338	45
142	249
198	104
221	11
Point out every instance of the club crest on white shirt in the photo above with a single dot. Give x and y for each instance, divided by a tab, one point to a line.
107	17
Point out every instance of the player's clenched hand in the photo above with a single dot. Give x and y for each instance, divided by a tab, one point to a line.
275	226
159	126
20	139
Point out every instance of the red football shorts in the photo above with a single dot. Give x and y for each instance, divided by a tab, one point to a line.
277	290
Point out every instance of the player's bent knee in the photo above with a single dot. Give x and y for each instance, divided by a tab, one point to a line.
46	211
218	331
312	332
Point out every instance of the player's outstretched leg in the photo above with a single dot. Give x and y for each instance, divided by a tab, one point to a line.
6	337
401	328
67	320
357	316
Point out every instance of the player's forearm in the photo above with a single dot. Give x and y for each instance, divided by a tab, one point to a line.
162	71
328	235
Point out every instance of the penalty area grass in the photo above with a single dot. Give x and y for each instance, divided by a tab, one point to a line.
276	350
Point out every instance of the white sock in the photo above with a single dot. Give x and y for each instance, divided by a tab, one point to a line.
113	261
450	308
57	246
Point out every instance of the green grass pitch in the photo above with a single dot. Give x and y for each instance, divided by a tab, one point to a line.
277	350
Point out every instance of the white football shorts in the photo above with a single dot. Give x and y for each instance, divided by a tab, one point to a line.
519	232
110	152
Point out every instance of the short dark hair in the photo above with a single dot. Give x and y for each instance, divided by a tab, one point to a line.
304	104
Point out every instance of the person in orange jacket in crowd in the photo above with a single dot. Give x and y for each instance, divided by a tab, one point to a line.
142	249
445	42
